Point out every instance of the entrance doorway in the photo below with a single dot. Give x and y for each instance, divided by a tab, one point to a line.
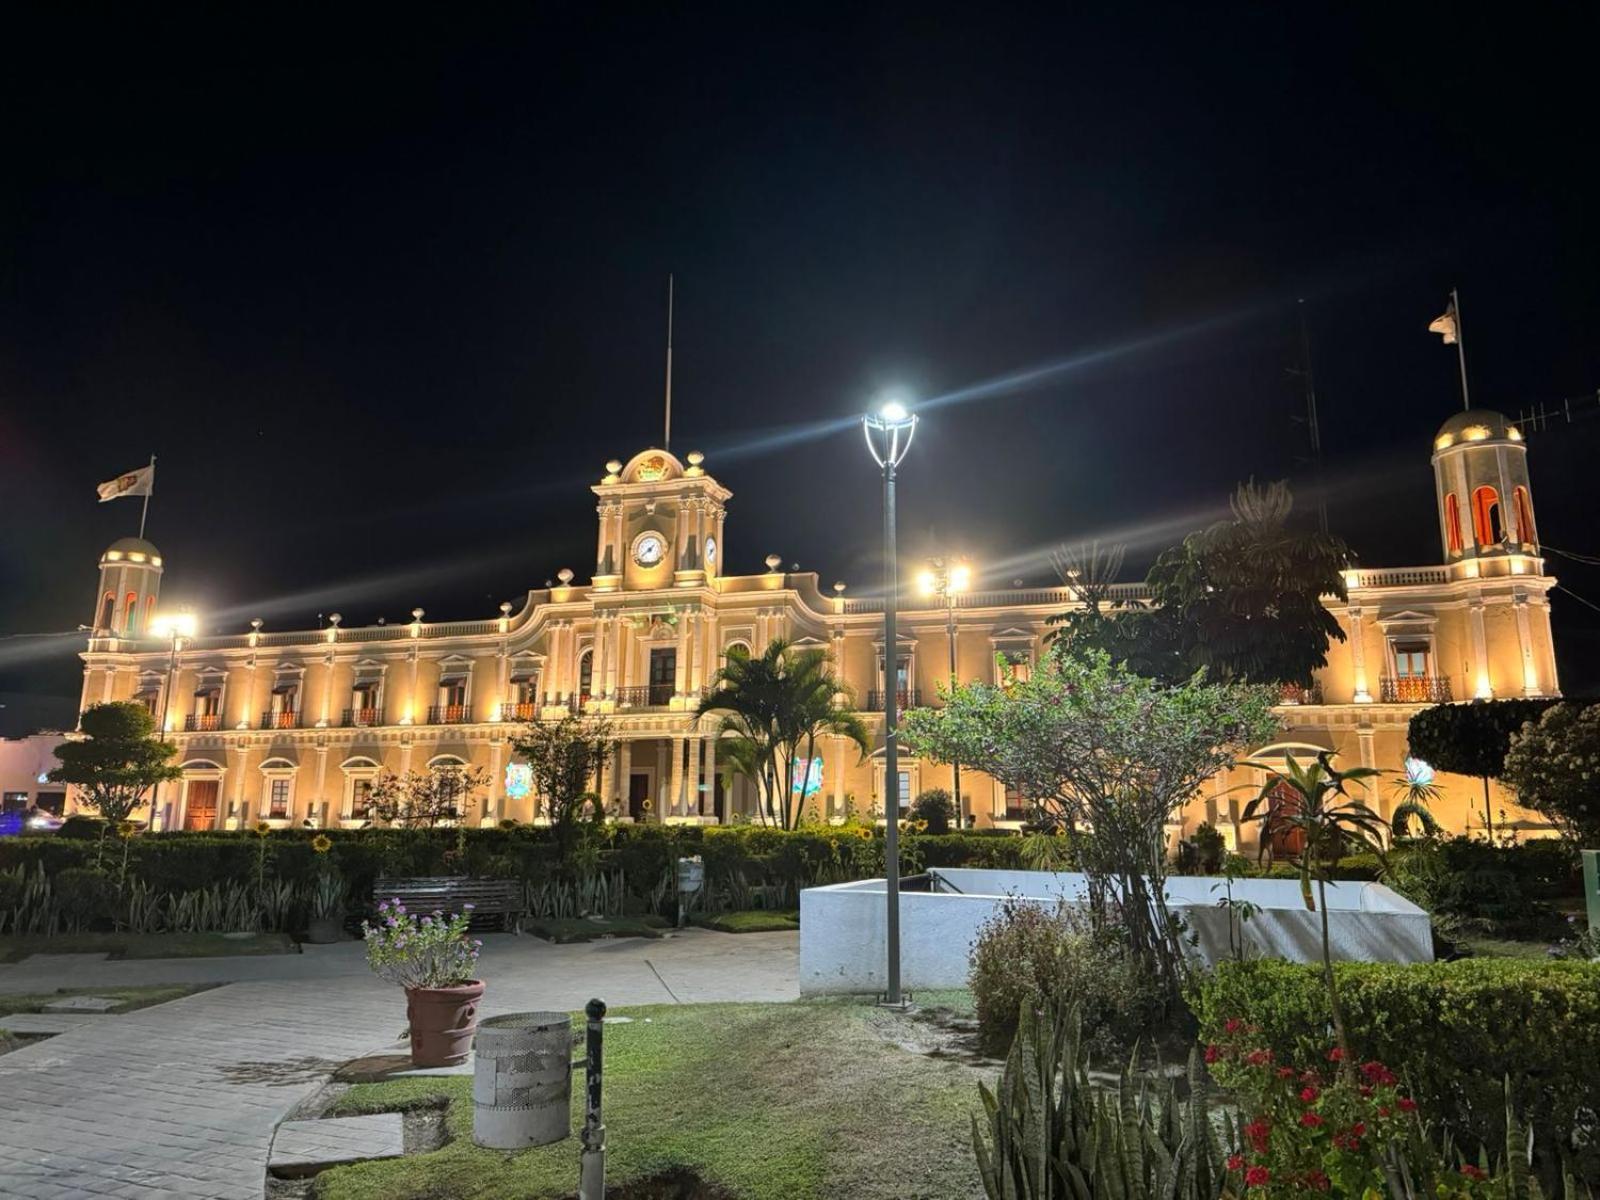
638	796
663	676
201	810
1283	803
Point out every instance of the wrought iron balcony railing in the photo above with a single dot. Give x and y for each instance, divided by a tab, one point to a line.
1414	689
287	719
904	698
519	710
650	695
360	718
1297	693
202	722
449	714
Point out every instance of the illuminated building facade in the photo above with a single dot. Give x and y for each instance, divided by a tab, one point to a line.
293	726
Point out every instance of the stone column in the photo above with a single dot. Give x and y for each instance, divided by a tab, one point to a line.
601	657
692	803
836	805
711	778
496	803
240	804
659	800
677	775
680	672
1368	759
624	774
1358	659
1482	686
1530	669
314	809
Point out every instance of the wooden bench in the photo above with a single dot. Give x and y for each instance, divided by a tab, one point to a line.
452	893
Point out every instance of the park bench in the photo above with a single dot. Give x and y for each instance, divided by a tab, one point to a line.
452	893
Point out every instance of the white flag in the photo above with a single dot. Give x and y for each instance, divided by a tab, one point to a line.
135	483
1446	325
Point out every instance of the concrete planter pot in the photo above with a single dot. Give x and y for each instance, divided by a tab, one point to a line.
442	1022
323	930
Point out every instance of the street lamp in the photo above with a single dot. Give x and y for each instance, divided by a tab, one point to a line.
948	580
888	432
174	626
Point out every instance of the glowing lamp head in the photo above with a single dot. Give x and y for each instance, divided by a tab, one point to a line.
960	577
174	625
893	411
926	583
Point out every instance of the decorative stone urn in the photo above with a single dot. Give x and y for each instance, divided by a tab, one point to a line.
442	1022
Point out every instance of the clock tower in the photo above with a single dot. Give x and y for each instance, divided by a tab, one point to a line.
660	524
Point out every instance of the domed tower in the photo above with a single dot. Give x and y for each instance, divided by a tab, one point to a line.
1480	470
130	584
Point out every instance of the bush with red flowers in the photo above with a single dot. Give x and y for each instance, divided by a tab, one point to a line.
1323	1131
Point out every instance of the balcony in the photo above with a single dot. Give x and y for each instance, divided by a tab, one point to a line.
288	719
202	722
904	698
361	718
449	714
1414	689
1296	693
652	695
520	710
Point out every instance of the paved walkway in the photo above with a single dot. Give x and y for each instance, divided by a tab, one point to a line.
181	1099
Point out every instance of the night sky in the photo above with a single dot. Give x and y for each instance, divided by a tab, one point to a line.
384	294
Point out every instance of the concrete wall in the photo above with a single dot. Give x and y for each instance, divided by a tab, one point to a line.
842	942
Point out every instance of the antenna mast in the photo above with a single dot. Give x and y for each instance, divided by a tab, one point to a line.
666	441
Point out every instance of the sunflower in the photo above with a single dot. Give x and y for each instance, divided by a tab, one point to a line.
126	829
864	834
322	843
262	829
920	826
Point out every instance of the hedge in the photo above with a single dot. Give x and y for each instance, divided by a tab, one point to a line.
1455	1032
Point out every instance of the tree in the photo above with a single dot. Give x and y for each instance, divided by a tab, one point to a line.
421	799
1094	744
1471	739
117	761
1553	764
772	709
1328	820
562	757
1242	599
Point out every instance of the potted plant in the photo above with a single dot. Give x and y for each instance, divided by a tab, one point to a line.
433	959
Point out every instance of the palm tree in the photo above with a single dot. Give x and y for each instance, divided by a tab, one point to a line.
1415	800
773	707
1330	820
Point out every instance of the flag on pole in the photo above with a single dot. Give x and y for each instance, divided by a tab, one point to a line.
135	483
1447	325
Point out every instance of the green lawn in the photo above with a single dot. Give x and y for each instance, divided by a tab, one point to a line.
752	920
583	929
1487	947
14	947
130	997
766	1101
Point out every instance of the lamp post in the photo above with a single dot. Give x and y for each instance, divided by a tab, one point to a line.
948	580
888	432
175	627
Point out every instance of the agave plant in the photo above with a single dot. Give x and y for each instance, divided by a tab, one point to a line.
1051	1136
1413	802
1329	820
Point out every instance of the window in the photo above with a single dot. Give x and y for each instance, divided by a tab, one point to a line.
453	693
1524	509
586	673
149	695
284	697
361	797
208	699
1452	523
1486	519
1016	807
905	792
663	674
108	605
1019	665
278	798
364	698
130	613
1411	660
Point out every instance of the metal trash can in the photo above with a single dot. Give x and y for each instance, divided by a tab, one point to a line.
691	881
522	1080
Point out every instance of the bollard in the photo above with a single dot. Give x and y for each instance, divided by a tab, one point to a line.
592	1161
522	1081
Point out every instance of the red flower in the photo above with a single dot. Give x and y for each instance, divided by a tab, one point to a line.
1212	1054
1407	1104
1257	1177
1258	1058
1336	1055
1359	1128
1309	1094
1285	1072
1317	1181
1472	1172
1384	1110
1310	1120
1347	1141
1232	1025
1377	1073
1258	1131
1366	1092
1235	1162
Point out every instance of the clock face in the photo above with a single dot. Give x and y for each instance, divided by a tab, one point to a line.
711	550
647	551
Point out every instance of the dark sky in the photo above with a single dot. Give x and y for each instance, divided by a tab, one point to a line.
383	291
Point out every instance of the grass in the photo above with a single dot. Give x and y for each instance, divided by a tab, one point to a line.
586	929
14	947
750	920
129	998
766	1101
1488	947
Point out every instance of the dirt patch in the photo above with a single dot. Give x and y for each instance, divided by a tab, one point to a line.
937	1033
670	1185
16	1041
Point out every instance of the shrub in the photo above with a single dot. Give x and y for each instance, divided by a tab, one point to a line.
936	808
82	827
1030	956
1471	885
83	896
1455	1032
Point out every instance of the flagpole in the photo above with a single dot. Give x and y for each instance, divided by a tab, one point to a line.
1461	347
666	440
145	511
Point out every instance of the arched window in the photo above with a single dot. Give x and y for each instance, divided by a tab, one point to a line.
1524	507
108	605
1452	523
1486	520
130	613
586	673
